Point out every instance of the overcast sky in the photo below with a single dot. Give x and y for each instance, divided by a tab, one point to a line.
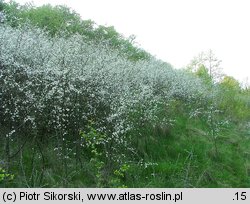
177	30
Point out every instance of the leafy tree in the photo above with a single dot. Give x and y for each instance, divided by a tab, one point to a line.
61	19
230	83
207	67
233	99
207	62
202	73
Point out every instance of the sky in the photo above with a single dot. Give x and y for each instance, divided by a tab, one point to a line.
177	30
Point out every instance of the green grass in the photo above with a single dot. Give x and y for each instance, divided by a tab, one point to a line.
187	158
181	156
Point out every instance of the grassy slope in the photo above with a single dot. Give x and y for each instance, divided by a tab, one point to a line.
187	158
183	156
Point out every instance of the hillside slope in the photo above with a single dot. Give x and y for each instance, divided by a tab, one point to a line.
75	112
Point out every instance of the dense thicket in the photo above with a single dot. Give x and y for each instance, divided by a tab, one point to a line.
52	85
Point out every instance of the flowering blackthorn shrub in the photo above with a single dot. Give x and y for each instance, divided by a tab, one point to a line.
52	88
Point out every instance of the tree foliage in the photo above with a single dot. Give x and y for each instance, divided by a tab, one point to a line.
60	19
207	65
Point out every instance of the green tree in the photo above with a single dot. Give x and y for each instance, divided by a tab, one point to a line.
230	83
207	62
202	73
232	98
56	19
